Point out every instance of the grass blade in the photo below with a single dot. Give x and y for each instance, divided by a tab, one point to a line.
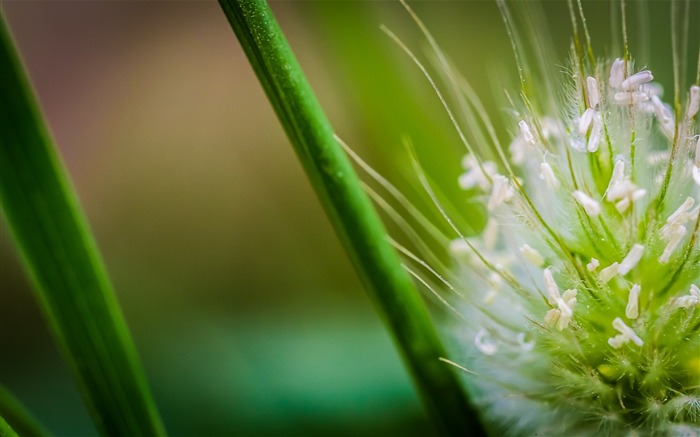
17	417
61	257
350	211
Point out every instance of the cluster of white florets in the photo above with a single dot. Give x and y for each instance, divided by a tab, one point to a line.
600	201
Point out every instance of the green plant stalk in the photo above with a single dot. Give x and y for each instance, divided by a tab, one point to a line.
351	212
63	262
6	430
17	417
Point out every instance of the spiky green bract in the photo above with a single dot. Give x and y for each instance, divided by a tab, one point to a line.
60	255
350	211
587	318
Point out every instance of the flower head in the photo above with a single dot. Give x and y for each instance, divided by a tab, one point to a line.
581	310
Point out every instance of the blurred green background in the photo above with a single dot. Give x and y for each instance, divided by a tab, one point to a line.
246	313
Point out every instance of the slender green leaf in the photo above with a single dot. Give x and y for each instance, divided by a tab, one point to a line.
6	430
61	257
18	417
350	211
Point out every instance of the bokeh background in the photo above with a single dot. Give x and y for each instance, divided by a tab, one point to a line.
246	313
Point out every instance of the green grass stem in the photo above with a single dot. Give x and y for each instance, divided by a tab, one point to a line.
63	262
351	213
17	417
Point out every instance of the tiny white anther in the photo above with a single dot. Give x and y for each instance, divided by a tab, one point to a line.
623	204
679	215
631	260
637	79
674	235
652	89
626	331
618	174
527	134
551	286
490	234
547	174
630	98
664	115
593	265
500	192
632	310
593	93
617	341
689	300
517	150
524	345
532	255
484	344
618	191
596	131
696	174
693	102
617	73
476	175
592	207
585	121
608	273
552	316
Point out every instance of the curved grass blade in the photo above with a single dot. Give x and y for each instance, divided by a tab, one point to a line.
17	417
351	213
61	257
6	430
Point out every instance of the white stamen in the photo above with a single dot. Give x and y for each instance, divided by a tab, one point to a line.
693	102
636	80
664	115
517	149
618	174
483	343
527	134
620	190
525	345
595	136
532	255
617	341
675	234
687	301
552	316
631	260
551	286
585	121
617	73
547	174
593	265
652	89
608	273
593	94
592	207
696	174
501	192
630	98
626	331
679	216
490	234
474	176
632	310
623	204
